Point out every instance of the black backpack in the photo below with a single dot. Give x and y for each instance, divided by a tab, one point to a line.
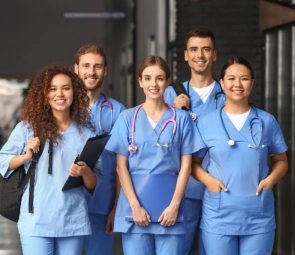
11	189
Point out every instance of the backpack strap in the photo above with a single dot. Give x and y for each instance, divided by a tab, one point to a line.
31	175
178	88
50	151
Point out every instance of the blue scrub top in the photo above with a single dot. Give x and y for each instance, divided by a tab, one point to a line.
150	158
239	211
56	213
195	189
102	200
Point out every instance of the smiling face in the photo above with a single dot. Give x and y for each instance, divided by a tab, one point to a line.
61	94
237	83
153	81
92	70
200	54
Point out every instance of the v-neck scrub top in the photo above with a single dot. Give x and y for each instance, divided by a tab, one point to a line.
102	200
57	213
150	158
240	168
195	189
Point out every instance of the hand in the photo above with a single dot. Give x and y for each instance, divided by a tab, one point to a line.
32	147
140	216
264	185
168	216
215	185
79	169
110	222
182	101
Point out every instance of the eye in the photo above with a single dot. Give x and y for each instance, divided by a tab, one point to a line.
160	78
66	88
52	89
98	67
85	65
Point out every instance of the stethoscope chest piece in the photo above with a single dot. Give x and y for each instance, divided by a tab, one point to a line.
132	148
193	115
231	142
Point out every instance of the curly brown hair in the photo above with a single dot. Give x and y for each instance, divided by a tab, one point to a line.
37	111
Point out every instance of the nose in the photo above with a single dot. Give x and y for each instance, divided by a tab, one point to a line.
200	53
59	93
91	70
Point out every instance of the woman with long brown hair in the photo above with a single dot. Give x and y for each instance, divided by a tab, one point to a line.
55	115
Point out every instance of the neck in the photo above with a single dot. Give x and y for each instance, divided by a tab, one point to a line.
236	107
154	108
63	120
93	96
201	80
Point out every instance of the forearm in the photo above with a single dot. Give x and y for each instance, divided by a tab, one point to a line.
182	180
199	173
279	168
90	180
125	180
17	161
118	187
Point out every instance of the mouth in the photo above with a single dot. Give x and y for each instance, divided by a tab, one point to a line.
238	92
154	91
60	101
199	62
91	79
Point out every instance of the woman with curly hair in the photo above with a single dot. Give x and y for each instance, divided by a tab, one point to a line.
54	112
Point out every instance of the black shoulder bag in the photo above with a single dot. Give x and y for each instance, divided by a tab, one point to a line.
12	188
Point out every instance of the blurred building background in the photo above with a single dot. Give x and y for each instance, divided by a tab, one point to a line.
35	34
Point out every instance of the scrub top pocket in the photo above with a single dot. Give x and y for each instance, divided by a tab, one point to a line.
212	200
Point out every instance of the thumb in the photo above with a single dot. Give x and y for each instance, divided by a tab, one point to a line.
223	187
260	186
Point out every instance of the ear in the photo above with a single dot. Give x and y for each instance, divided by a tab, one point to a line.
105	71
221	83
140	82
214	55
167	83
76	68
185	55
252	84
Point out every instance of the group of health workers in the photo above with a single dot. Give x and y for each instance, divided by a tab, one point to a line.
209	139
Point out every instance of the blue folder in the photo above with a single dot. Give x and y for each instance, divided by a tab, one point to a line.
154	193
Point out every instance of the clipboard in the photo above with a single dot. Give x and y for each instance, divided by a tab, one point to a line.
154	193
90	155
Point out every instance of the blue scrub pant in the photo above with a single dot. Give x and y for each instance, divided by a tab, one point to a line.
149	244
99	242
36	245
193	217
259	244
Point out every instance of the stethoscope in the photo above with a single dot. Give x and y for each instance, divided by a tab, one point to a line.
192	114
231	142
105	100
133	148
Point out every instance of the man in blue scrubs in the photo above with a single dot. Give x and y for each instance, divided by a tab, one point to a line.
203	96
91	66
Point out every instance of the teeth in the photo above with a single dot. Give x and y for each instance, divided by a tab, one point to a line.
60	101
